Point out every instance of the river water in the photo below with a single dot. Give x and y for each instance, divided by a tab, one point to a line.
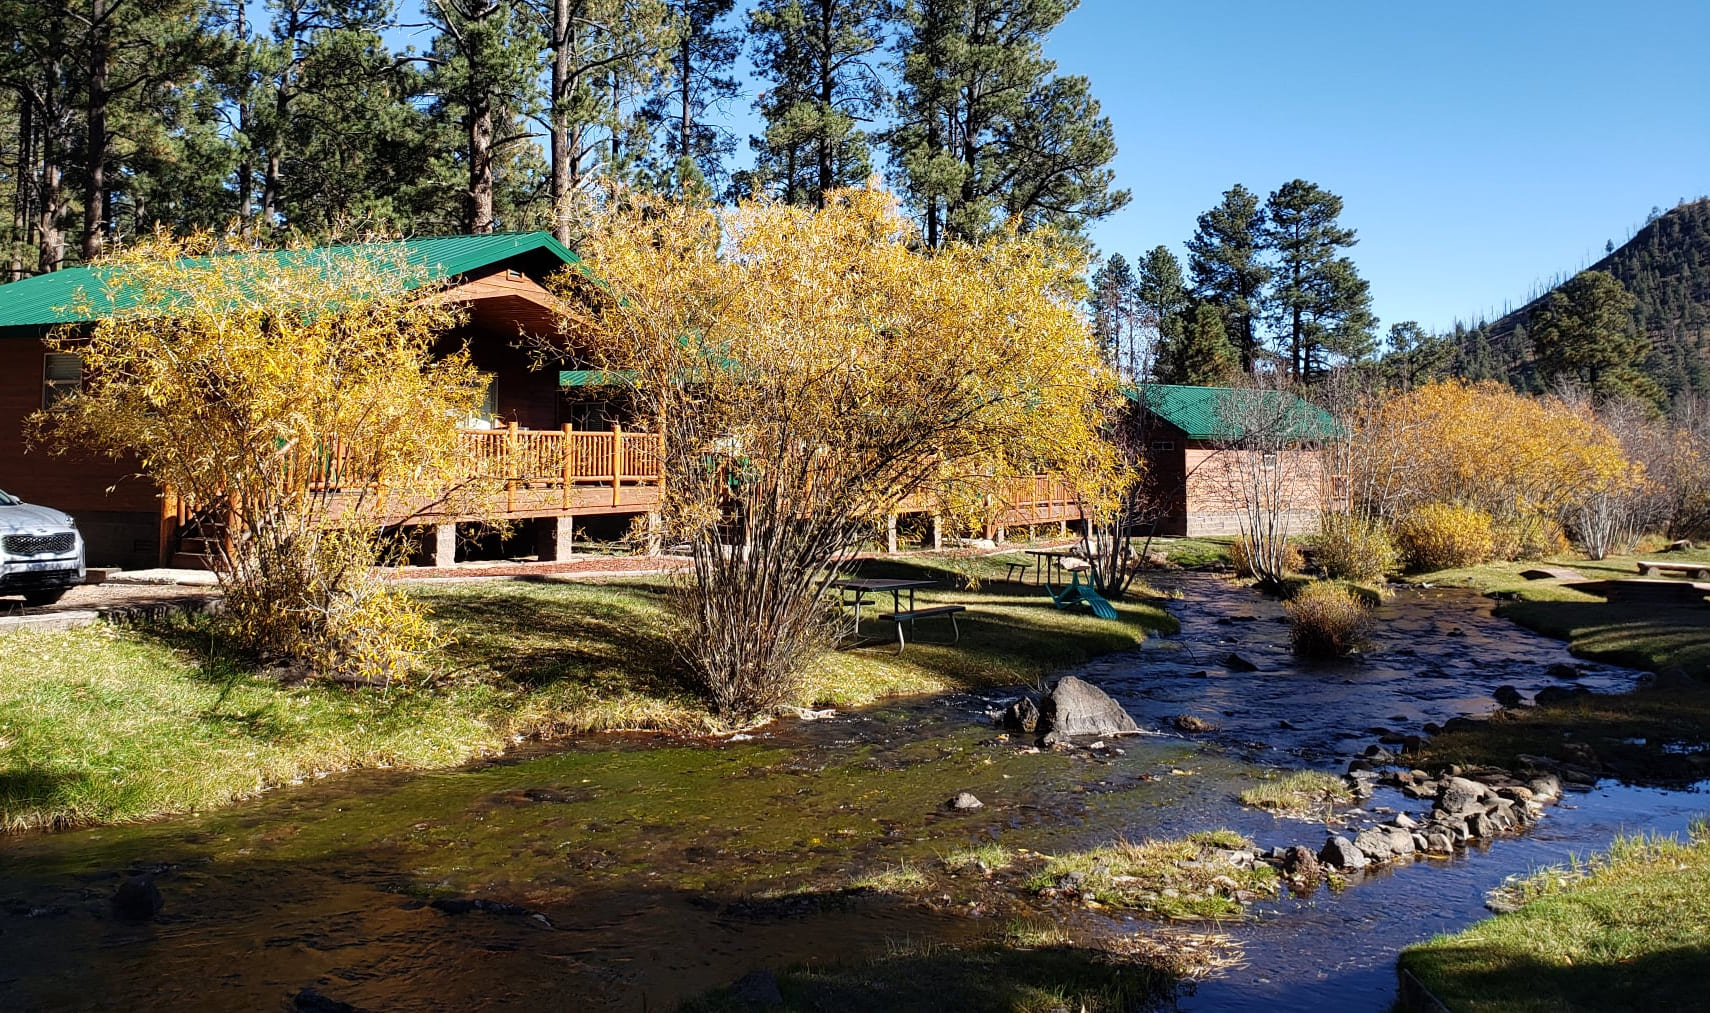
631	873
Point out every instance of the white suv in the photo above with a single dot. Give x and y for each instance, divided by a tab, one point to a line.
41	553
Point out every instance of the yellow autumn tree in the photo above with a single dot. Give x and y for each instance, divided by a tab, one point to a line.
1522	460
289	399
811	370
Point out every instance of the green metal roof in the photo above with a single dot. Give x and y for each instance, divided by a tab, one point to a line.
595	378
1223	413
33	306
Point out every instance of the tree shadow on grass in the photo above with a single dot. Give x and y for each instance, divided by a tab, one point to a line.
1657	735
539	635
929	977
34	797
1668	979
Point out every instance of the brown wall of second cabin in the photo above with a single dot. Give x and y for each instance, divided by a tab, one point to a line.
121	527
1214	502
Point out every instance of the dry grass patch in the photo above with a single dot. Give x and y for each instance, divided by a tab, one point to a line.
1299	793
1197	877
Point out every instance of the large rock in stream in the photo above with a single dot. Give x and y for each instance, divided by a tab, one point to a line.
1076	707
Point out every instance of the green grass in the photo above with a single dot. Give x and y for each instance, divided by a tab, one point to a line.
982	858
1639	634
101	725
1629	929
1177	879
1191	551
1298	793
902	878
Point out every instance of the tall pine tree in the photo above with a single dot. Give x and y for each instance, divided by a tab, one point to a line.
819	63
694	79
601	53
1225	260
484	78
1115	321
1585	333
1163	295
986	129
1319	303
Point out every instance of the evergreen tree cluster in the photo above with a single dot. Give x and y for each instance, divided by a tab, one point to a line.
1268	286
118	116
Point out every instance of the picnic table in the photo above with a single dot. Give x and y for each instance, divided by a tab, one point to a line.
875	586
1050	561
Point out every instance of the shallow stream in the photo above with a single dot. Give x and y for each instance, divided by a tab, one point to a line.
632	873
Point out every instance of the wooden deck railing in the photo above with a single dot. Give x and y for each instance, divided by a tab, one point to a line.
1028	499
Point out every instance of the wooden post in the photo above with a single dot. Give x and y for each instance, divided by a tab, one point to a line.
564	460
510	464
169	510
891	534
655	536
937	533
617	464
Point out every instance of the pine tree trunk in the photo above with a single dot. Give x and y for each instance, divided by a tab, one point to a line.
479	217
563	40
95	136
245	166
270	196
51	184
24	171
827	96
685	119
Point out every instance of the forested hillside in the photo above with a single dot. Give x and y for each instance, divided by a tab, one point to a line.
1666	267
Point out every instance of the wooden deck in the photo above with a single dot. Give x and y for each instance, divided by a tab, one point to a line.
521	473
545	473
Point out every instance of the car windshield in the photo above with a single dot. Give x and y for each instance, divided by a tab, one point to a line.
7	499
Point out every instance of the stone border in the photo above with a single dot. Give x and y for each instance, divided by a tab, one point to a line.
140	615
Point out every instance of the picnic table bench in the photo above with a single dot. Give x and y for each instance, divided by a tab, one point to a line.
926	613
1647	567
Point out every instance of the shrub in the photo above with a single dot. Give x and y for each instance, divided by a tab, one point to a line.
1241	554
1326	620
1440	536
1528	538
1351	547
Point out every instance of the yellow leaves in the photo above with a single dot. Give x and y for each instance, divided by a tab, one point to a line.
1488	446
768	323
292	388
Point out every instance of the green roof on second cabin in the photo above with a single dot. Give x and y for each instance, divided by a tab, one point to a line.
1226	413
33	306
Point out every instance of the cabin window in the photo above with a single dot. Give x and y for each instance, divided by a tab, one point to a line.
484	417
1163	444
62	376
1268	460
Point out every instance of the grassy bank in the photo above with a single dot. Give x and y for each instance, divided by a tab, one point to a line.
1648	635
1626	930
103	725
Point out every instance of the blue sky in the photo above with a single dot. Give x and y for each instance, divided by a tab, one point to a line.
1480	147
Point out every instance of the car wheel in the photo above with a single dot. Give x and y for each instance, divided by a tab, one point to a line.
45	596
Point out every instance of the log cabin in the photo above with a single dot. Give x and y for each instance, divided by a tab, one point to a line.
1202	445
567	445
